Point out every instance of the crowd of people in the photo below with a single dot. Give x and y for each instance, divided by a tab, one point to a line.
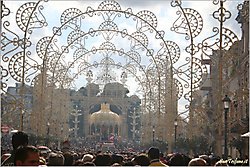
24	154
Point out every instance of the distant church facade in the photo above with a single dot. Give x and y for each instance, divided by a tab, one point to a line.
101	115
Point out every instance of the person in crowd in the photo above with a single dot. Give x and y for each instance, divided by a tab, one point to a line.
154	157
206	158
55	159
141	160
26	156
128	163
18	139
178	159
103	160
88	164
68	158
42	161
79	162
5	156
87	158
163	158
197	162
117	158
214	159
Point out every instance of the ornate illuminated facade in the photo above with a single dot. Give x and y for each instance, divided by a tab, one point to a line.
104	113
105	122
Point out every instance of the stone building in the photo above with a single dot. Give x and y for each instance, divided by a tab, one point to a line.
12	110
235	84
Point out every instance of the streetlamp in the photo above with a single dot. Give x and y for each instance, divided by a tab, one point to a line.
62	132
153	135
22	120
61	138
226	102
48	124
175	131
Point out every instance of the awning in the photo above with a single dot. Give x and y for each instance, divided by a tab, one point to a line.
246	134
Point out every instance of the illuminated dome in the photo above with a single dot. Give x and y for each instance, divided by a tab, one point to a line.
105	116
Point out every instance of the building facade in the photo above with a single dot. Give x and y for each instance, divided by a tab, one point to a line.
235	84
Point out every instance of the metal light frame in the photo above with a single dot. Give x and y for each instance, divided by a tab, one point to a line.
161	76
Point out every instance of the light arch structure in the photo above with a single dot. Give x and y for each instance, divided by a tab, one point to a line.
58	60
111	31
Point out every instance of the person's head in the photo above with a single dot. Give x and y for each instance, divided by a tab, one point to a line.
87	158
177	160
141	160
19	139
153	153
88	164
197	162
206	158
26	156
55	159
103	160
117	158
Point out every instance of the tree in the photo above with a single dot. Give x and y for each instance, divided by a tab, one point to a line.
198	144
182	144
